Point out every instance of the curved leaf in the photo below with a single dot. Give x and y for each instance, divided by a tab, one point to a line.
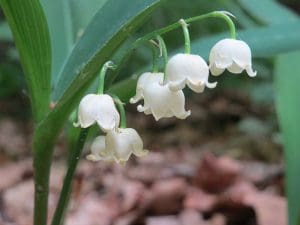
269	11
109	28
93	49
29	27
60	26
287	79
264	41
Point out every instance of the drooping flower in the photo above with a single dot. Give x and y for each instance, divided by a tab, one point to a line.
158	99
233	55
190	70
98	109
117	145
99	151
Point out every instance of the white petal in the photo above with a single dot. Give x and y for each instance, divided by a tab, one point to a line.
250	71
108	117
196	87
87	111
123	143
158	99
215	70
241	53
98	108
142	81
211	85
231	54
177	103
98	150
234	68
176	85
186	67
220	55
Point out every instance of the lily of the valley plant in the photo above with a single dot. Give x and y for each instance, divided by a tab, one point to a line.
161	90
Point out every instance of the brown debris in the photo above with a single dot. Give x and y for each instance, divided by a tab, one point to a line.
216	174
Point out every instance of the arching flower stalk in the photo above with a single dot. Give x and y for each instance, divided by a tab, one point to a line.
187	69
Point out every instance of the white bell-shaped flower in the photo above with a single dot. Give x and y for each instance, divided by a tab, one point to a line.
190	70
233	55
100	109
158	99
99	150
124	142
117	145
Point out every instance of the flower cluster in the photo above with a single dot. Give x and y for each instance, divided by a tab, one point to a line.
118	143
162	93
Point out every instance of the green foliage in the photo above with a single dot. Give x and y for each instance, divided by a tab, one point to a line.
10	80
287	79
5	32
59	21
96	46
67	20
30	31
269	11
85	34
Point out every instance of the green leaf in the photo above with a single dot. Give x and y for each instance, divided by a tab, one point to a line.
30	31
264	41
5	32
113	24
269	11
287	80
109	28
60	26
82	11
67	20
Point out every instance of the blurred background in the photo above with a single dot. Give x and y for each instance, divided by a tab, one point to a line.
223	165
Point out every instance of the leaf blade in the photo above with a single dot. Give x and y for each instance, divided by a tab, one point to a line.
30	30
287	79
81	64
269	11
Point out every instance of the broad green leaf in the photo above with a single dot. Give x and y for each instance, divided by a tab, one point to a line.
264	41
114	22
82	11
102	37
5	32
243	18
108	29
67	20
287	80
59	20
269	11
30	31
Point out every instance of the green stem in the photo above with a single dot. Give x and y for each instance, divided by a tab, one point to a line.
163	47
216	14
187	41
153	46
121	109
65	193
105	67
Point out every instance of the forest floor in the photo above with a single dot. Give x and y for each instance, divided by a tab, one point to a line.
221	166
